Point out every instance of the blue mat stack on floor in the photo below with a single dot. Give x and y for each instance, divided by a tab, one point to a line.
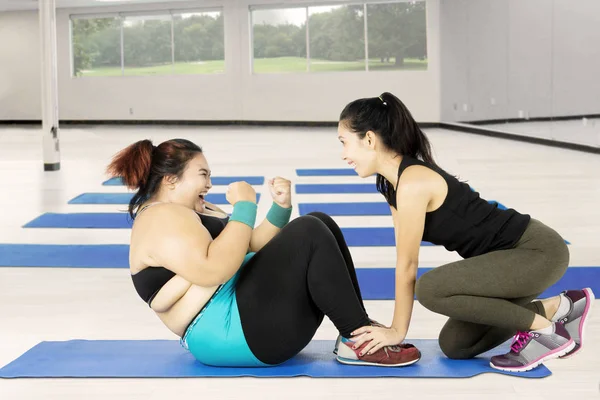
376	283
166	359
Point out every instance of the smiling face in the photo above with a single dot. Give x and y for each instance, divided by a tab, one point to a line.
191	189
358	153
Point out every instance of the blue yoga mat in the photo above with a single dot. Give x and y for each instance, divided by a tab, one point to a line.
327	172
124	198
369	237
65	255
375	283
216	181
335	188
82	221
354	209
167	359
355	237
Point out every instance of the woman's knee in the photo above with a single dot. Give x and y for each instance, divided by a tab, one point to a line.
451	348
326	219
559	256
426	289
309	226
554	249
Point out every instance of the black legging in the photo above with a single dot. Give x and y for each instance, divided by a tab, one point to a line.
284	291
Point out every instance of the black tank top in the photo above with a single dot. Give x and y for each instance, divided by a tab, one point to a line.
150	280
465	222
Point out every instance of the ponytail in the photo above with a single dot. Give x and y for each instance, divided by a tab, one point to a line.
133	164
405	135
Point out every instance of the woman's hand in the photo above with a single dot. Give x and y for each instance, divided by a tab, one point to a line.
281	191
377	337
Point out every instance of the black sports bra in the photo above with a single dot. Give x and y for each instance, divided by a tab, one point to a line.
150	280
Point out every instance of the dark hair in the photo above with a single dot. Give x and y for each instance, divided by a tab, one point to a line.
388	118
142	166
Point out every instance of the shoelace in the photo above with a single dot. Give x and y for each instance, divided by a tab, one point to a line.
394	349
520	340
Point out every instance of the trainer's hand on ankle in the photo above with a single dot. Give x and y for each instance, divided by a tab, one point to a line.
376	337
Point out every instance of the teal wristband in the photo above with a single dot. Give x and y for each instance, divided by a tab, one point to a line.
278	215
244	212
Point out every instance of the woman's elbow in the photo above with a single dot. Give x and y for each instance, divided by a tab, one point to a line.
406	271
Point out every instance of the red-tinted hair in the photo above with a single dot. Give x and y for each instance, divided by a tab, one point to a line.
142	166
132	164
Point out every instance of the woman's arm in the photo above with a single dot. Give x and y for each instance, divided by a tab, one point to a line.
413	196
278	216
412	199
186	247
263	234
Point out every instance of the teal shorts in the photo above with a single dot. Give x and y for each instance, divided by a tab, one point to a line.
215	337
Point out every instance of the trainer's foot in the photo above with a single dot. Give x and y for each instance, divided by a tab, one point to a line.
530	349
580	303
388	356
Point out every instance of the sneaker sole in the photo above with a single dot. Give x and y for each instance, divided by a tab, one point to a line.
589	294
562	350
348	361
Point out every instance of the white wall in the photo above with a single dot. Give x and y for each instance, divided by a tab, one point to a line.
540	57
20	75
235	95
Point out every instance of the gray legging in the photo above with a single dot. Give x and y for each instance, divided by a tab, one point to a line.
490	297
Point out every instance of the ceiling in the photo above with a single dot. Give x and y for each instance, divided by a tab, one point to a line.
15	5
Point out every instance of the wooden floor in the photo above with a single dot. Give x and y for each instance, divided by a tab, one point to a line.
559	187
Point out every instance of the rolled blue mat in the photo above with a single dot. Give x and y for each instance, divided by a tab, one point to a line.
216	181
124	198
167	359
335	188
354	209
327	172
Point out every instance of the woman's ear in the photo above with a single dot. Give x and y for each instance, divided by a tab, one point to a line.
370	139
170	181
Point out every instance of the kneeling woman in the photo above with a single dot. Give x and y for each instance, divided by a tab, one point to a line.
235	295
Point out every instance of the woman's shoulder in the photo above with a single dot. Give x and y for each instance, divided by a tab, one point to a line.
163	209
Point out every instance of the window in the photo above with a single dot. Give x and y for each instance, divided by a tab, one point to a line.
147	45
170	42
351	37
279	38
397	36
336	38
199	43
96	46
